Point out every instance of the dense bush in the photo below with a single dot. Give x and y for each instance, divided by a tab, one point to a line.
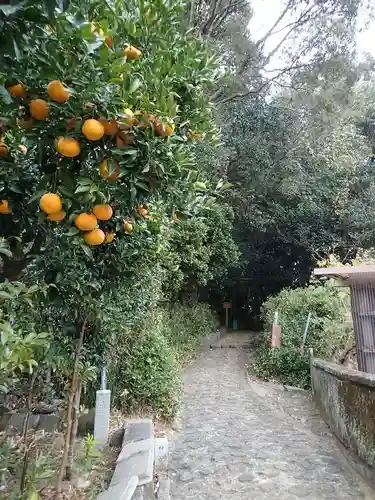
144	372
329	330
145	362
288	365
185	326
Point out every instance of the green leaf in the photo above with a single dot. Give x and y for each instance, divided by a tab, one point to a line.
6	97
227	185
87	251
17	51
85	181
83	189
135	84
6	252
73	231
10	9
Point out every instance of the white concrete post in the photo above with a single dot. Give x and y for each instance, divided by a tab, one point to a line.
102	412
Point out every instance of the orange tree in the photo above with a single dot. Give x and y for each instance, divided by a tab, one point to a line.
100	105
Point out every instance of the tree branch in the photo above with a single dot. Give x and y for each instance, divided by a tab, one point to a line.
191	14
270	32
223	14
256	91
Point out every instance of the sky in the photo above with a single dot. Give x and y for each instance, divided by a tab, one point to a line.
267	11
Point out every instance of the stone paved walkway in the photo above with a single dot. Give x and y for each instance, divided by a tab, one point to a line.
245	440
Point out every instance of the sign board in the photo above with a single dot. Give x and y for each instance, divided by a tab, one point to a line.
227	305
276	336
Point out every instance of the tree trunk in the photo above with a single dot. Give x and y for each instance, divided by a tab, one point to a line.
73	434
24	438
71	398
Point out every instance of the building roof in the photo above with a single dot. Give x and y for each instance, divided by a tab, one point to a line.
348	273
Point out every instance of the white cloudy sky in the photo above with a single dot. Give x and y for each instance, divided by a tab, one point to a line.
267	11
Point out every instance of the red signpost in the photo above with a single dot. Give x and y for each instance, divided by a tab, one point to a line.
227	306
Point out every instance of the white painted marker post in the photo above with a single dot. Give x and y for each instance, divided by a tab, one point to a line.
102	412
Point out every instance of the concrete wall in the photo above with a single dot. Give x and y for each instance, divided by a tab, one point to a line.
346	399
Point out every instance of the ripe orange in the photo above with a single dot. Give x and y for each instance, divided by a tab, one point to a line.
109	42
17	90
128	227
50	203
132	53
103	212
95	237
163	129
109	237
57	216
93	129
57	91
4	207
39	109
169	129
25	122
110	127
23	148
4	150
142	212
68	146
104	171
86	222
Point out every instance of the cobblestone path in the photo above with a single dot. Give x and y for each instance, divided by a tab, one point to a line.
245	440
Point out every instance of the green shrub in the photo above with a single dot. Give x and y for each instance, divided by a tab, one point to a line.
185	326
328	331
329	327
144	373
288	365
145	361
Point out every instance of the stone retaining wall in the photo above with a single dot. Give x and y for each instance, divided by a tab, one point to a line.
346	399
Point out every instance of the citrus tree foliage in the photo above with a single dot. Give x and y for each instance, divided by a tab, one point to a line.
21	345
101	103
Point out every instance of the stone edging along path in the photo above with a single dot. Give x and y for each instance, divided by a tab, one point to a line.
136	470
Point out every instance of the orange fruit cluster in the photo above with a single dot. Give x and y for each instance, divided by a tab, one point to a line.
51	204
94	130
4	207
88	222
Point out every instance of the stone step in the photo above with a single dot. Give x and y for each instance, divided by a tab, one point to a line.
136	459
162	492
145	492
122	491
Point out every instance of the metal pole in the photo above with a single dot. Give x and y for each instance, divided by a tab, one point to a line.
306	330
276	318
103	384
